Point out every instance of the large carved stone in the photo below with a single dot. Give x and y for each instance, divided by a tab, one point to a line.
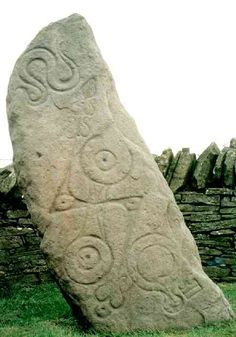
111	229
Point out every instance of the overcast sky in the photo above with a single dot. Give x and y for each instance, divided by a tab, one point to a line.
174	63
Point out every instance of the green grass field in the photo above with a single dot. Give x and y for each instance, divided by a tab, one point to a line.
41	311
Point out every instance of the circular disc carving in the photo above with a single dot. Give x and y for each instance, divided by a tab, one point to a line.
151	261
87	259
106	160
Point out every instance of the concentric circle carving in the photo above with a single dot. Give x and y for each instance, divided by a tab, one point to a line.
87	259
151	261
106	160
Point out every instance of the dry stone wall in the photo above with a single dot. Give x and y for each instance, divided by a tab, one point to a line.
204	189
20	255
213	168
211	217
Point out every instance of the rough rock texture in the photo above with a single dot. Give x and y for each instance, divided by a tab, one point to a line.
21	259
172	167
233	143
203	173
112	231
164	160
182	170
218	169
7	179
229	167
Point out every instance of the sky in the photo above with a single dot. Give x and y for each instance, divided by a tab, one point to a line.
174	63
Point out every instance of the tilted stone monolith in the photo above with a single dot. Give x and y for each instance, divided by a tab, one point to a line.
111	229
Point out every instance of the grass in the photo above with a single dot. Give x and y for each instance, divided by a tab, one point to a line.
41	311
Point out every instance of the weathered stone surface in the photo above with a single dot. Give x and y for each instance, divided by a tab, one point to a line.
211	226
228	210
19	213
111	229
223	232
172	167
178	197
219	191
164	160
198	217
213	243
229	168
216	272
218	168
7	179
209	251
191	208
203	172
182	170
32	270
228	202
233	143
228	216
200	198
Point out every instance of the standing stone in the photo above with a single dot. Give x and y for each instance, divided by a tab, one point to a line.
182	170
229	168
233	143
203	172
218	169
164	161
172	167
111	229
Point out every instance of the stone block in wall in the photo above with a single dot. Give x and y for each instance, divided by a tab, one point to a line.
230	260
233	143
32	240
33	261
203	173
172	167
192	208
228	216
164	161
25	222
201	216
197	227
207	251
17	213
199	198
228	210
216	261
10	242
216	273
7	179
178	197
205	241
228	202
218	168
7	222
219	191
15	231
223	232
229	168
183	169
230	279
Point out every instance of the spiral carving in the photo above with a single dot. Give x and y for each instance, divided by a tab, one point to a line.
43	70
